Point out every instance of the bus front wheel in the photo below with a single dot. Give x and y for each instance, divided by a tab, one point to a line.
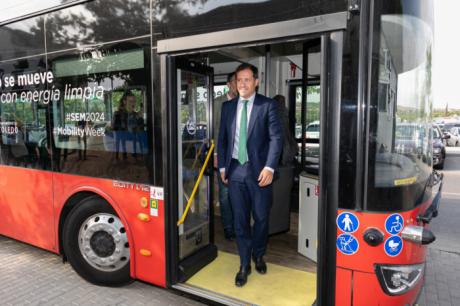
96	244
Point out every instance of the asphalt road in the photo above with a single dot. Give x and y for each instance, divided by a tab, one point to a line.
442	285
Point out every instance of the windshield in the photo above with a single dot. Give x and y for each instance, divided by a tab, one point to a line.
406	131
400	139
313	128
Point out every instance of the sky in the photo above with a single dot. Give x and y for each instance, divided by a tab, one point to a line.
446	63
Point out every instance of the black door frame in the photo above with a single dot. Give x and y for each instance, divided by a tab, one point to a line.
181	270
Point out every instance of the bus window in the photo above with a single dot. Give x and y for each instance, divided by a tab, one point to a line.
21	39
96	23
311	125
401	143
23	121
179	18
100	121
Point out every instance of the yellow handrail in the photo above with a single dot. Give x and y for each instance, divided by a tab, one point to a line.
197	183
196	157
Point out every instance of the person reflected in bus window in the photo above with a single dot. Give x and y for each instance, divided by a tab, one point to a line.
119	126
249	147
135	124
44	153
82	142
226	213
142	134
290	147
18	148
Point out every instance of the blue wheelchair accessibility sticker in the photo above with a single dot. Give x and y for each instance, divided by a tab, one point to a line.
347	222
394	224
347	244
393	246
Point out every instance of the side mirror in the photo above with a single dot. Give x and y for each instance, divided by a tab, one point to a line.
418	234
446	136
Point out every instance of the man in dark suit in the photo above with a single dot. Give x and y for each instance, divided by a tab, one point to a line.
249	147
226	213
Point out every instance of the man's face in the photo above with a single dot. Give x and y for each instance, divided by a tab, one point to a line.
130	103
232	90
246	83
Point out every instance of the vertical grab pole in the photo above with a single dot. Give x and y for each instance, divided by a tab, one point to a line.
197	183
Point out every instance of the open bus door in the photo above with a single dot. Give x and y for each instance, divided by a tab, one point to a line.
192	82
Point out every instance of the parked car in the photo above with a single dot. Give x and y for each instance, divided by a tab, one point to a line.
311	144
454	139
410	138
313	130
439	150
449	138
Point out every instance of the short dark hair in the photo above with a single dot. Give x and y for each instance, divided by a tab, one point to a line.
244	66
127	93
230	76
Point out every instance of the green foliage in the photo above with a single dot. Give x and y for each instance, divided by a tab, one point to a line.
442	113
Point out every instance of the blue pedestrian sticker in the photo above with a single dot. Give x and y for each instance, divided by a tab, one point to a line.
393	246
347	244
394	224
347	222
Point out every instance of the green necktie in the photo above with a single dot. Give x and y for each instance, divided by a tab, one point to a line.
242	150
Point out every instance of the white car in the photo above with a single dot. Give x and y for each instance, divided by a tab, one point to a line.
311	143
454	140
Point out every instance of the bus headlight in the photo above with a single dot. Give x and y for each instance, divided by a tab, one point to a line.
397	280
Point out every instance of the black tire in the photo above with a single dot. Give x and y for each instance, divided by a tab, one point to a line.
441	165
74	223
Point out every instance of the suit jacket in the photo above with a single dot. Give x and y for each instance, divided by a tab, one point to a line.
217	109
290	147
264	135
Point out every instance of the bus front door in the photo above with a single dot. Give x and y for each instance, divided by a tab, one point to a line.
194	152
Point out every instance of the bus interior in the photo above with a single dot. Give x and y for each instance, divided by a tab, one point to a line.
292	247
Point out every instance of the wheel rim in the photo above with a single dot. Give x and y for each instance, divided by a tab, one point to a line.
103	242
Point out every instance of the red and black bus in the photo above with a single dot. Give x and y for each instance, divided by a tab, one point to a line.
107	112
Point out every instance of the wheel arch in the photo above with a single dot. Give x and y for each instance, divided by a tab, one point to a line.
77	197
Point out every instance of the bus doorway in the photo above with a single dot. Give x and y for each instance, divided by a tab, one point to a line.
208	266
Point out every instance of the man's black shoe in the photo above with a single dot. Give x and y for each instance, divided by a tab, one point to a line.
261	266
242	276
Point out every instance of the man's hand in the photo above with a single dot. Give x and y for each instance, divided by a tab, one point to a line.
222	176
265	177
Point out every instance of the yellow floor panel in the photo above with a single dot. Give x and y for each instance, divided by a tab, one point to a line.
280	286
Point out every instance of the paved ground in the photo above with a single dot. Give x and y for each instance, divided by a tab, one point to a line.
442	287
30	276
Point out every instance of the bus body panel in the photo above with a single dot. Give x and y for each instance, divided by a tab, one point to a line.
343	287
26	206
367	256
367	291
145	237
